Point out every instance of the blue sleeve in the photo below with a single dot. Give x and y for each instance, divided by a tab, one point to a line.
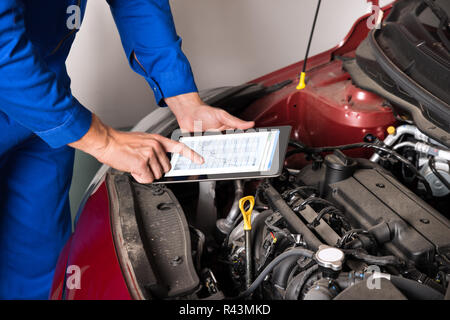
29	91
153	47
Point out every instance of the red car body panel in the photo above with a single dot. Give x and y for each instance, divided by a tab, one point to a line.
329	111
91	248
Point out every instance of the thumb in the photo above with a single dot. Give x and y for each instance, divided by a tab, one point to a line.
233	122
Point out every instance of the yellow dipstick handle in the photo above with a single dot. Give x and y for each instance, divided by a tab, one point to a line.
301	85
247	214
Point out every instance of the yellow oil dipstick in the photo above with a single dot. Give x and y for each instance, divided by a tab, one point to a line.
247	215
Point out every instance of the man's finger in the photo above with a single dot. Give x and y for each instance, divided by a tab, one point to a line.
154	164
178	147
144	175
163	160
160	153
235	123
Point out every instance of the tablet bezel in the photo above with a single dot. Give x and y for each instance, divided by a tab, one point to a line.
275	170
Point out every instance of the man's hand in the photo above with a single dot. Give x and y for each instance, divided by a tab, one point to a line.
189	108
141	154
144	155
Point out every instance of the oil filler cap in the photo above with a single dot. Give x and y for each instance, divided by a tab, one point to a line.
339	161
338	167
330	258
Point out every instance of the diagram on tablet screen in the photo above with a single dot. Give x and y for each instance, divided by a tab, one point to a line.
232	153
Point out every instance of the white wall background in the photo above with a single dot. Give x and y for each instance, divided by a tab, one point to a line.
228	42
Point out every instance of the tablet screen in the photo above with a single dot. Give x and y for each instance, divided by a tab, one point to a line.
227	153
254	154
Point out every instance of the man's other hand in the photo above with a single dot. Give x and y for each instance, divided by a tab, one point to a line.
141	154
191	112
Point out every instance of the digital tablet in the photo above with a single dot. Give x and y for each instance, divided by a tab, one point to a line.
251	154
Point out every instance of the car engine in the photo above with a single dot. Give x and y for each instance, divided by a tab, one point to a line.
337	228
357	210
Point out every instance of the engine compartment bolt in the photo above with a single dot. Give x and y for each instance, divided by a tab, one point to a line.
157	190
176	261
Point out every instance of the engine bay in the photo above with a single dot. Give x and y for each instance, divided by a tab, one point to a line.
335	228
360	211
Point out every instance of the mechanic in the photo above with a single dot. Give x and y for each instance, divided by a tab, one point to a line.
41	123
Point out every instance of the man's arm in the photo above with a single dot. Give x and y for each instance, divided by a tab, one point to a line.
153	47
29	91
154	51
31	95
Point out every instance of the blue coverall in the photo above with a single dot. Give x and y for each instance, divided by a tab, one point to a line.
39	117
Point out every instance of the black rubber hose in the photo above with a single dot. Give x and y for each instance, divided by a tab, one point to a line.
327	210
369	259
296	285
282	271
347	235
355	146
257	234
412	289
296	144
292	219
200	246
300	204
432	165
415	290
416	275
300	189
347	279
298	252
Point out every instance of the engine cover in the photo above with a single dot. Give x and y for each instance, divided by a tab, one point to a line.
371	198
